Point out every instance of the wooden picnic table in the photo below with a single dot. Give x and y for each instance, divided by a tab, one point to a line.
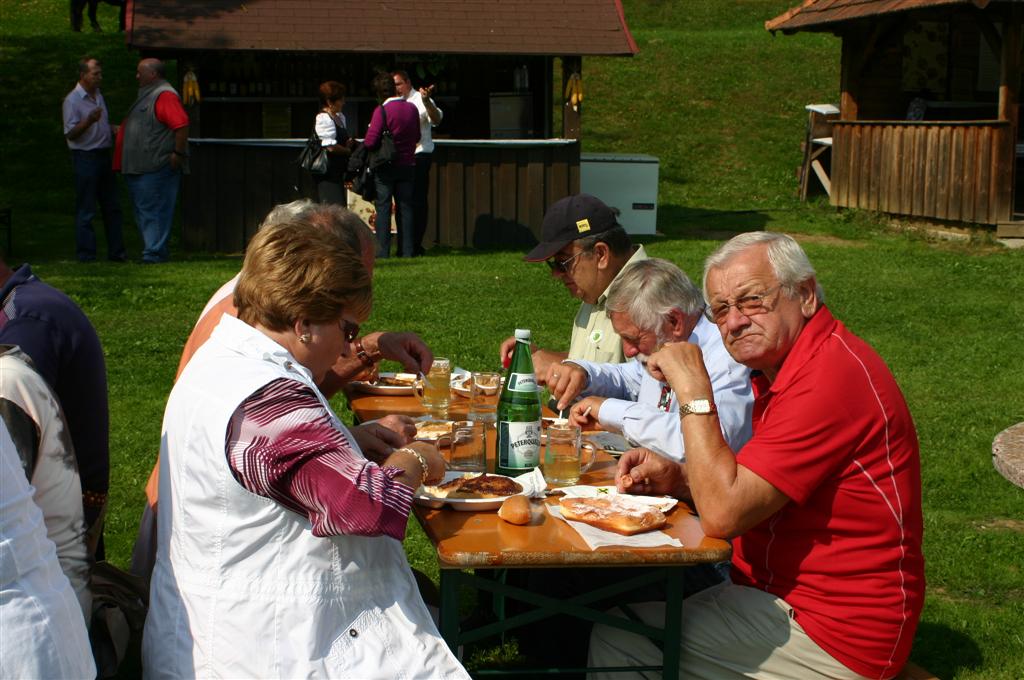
481	541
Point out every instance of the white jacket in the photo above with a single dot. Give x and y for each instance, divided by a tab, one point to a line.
42	633
241	587
43	442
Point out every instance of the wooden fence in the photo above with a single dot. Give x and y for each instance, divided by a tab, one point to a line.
958	170
483	193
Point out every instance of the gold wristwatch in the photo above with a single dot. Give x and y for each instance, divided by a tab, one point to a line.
699	407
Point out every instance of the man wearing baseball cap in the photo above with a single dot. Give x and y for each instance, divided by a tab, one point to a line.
586	248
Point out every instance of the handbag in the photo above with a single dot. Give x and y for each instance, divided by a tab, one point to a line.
384	154
313	156
364	185
360	174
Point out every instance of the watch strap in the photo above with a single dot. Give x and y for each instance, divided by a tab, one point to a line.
364	356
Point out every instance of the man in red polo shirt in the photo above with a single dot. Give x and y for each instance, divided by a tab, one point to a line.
824	502
151	151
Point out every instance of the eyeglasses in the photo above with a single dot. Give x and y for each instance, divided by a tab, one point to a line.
748	305
563	266
350	330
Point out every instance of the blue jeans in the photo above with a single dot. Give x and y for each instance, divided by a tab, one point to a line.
419	199
394	181
95	183
153	196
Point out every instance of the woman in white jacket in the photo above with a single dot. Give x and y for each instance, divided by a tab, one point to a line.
279	548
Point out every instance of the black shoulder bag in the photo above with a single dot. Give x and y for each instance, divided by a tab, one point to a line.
313	157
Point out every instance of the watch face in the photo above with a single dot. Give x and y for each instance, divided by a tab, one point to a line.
698	406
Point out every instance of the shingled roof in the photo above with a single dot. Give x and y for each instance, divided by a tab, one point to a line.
520	27
822	15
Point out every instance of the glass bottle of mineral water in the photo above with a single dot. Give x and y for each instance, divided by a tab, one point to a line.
519	413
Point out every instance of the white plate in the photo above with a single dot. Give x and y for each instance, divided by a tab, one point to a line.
460	504
613	443
459	385
460	388
386	390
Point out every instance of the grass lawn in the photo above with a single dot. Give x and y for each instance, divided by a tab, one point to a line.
720	102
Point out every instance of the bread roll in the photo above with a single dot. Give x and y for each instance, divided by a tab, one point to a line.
613	513
515	510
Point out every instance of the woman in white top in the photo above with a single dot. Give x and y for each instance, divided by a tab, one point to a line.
279	547
331	127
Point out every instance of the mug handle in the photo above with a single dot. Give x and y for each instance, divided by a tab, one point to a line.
584	445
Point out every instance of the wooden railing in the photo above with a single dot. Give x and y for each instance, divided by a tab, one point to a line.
958	170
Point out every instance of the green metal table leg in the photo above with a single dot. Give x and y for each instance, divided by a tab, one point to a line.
673	624
450	608
501	576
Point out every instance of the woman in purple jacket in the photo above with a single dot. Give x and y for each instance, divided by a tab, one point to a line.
395	179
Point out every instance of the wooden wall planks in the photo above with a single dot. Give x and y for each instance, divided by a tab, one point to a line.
481	195
945	170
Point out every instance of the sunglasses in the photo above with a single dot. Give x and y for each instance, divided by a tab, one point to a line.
349	329
562	266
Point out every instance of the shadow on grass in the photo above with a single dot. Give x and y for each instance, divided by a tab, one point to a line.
945	652
683	222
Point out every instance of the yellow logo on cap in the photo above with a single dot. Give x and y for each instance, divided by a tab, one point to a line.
583	225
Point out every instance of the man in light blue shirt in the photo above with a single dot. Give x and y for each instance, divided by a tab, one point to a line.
653	303
89	135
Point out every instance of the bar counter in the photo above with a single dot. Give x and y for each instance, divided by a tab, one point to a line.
484	193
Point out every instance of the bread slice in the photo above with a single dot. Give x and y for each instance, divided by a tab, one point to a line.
397	380
613	513
433	430
476	486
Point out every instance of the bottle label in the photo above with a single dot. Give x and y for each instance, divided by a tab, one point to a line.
519	444
522	382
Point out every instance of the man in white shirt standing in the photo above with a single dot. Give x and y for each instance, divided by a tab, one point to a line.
89	135
653	303
430	117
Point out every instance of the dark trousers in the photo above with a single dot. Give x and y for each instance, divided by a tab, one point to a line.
331	190
95	183
394	181
421	188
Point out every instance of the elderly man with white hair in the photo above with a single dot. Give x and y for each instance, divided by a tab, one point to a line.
823	502
651	304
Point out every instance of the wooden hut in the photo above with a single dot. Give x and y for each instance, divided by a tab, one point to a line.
928	121
498	161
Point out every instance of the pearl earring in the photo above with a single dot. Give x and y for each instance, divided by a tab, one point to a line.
304	338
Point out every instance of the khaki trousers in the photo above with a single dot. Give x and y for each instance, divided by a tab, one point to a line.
729	631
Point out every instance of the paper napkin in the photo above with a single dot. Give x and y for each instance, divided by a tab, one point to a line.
596	538
533	482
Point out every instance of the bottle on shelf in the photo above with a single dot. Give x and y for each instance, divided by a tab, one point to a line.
519	413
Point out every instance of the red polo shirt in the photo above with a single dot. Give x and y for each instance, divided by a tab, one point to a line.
834	434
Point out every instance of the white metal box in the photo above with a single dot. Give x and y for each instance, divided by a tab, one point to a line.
628	182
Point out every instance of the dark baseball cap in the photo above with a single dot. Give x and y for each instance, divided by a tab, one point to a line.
568	219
